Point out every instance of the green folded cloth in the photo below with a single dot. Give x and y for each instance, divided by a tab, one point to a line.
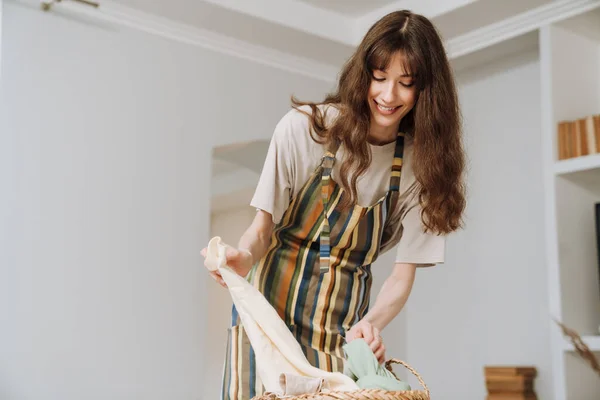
362	366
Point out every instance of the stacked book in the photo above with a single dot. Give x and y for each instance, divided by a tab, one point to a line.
579	137
510	383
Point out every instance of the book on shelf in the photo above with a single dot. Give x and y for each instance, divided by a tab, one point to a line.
501	370
579	137
510	382
511	396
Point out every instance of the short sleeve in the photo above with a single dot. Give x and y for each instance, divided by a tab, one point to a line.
273	192
417	246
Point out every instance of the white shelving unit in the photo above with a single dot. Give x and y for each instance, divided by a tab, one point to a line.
570	74
578	165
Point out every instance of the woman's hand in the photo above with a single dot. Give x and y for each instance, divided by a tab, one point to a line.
363	329
239	260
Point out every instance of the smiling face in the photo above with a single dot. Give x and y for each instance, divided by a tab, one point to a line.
392	94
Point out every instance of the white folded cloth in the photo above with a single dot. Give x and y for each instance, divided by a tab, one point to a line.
295	385
279	357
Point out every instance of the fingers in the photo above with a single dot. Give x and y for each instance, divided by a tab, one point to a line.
368	333
373	339
376	343
380	354
354	333
231	253
217	277
371	336
362	330
349	336
377	340
203	252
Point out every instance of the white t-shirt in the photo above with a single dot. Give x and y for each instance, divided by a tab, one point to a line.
293	156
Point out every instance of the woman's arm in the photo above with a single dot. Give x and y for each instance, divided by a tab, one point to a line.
252	246
257	237
390	301
393	296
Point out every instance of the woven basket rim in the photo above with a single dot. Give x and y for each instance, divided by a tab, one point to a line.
369	393
361	394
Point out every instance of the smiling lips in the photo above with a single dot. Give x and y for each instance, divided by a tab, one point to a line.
386	110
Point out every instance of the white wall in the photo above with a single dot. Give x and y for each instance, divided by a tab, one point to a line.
488	303
1	29
229	225
105	147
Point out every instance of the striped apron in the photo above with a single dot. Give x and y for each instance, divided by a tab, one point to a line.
316	273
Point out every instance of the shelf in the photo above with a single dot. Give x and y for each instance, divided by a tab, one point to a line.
584	171
578	164
593	342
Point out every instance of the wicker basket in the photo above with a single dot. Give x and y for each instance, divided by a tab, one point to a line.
366	394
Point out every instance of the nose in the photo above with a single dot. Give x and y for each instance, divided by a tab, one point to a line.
389	93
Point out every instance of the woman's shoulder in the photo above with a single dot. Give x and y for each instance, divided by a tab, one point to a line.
299	117
295	125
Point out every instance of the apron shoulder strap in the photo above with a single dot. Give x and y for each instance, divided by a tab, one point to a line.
327	163
328	158
397	164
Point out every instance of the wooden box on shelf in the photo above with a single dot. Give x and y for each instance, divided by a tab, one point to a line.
578	138
510	382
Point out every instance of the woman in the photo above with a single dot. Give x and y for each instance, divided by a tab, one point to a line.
383	156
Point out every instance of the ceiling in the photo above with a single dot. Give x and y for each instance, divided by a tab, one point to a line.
482	13
324	31
351	8
585	26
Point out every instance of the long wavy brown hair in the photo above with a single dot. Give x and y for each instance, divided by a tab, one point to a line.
434	123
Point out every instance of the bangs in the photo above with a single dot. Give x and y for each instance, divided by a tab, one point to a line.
381	55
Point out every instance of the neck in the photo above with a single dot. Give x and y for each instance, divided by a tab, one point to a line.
380	136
